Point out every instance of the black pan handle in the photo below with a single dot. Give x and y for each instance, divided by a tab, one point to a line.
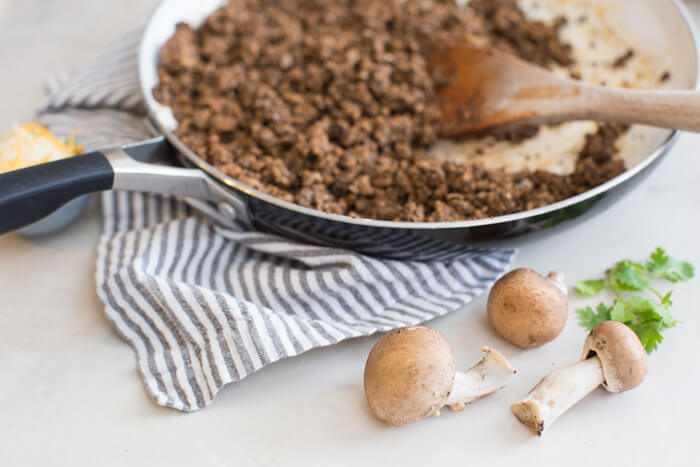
28	195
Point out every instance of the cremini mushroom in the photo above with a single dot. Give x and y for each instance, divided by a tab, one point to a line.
410	374
613	357
527	309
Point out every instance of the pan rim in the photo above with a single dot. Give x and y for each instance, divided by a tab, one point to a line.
237	186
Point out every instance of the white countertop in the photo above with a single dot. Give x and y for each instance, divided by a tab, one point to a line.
70	393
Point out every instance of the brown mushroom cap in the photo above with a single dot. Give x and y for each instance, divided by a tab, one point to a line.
409	374
621	353
527	309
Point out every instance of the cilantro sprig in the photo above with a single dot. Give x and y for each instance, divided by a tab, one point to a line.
646	314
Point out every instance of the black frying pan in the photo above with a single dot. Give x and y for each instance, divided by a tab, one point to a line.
30	194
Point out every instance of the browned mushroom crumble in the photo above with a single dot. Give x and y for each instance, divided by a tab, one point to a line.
330	104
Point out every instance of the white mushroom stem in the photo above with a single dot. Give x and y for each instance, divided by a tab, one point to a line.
557	278
486	377
557	392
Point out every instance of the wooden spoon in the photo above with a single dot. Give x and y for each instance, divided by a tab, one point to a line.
485	88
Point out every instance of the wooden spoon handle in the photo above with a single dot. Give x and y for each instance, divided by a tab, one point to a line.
666	109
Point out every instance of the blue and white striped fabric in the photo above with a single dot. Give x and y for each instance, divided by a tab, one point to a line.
204	305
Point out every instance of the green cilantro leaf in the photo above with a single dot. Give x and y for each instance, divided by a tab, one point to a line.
666	300
646	314
628	275
589	318
642	308
678	271
661	265
657	260
590	287
667	321
649	334
621	312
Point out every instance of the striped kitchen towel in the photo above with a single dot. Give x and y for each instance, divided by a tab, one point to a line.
204	303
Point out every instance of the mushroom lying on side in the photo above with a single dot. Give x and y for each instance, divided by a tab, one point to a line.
612	357
527	309
410	374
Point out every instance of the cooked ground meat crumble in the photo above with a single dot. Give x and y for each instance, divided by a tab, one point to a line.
330	104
